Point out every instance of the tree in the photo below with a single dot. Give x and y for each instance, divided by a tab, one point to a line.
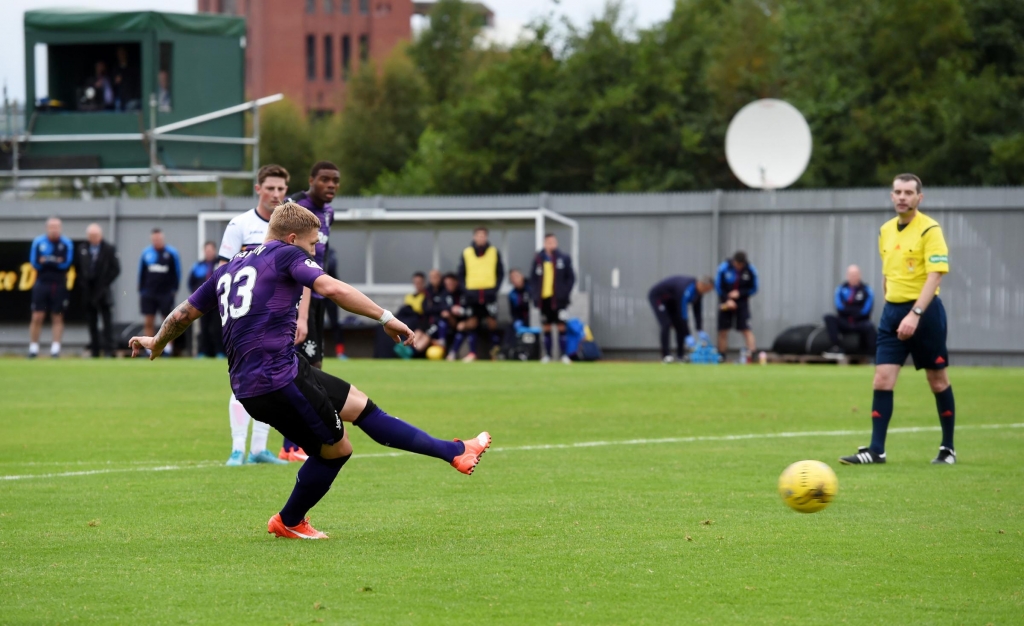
381	123
285	139
443	51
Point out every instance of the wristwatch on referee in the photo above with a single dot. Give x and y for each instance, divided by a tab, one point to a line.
918	310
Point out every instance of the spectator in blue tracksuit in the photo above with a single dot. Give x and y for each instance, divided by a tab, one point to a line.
519	298
735	282
159	276
518	306
551	281
211	343
671	299
50	256
854	300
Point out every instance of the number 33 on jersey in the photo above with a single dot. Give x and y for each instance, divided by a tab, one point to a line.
256	294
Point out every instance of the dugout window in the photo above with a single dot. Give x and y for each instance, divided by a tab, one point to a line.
89	77
165	77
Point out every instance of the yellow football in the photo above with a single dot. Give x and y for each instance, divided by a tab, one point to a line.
435	353
808	486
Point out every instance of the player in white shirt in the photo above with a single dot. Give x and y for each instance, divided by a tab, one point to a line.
245	232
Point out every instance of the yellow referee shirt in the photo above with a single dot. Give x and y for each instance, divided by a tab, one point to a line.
909	255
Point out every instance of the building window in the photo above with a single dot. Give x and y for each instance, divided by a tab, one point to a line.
383	9
328	6
328	57
310	57
226	6
311	6
364	47
346	56
364	7
346	7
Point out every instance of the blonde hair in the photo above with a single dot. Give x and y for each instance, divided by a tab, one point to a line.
291	218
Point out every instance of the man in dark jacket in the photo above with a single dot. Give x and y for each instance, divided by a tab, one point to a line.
98	267
854	301
435	303
211	343
671	299
551	283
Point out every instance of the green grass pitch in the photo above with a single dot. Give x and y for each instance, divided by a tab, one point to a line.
691	530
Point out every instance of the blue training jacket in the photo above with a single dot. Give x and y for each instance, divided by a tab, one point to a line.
159	270
51	259
728	278
854	303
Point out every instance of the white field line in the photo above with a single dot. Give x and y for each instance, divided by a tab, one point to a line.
548	446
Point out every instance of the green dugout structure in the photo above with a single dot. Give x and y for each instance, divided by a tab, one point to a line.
134	93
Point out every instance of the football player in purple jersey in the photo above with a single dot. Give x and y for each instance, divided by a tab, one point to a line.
257	296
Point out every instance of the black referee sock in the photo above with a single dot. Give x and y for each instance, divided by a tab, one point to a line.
947	415
311	484
881	413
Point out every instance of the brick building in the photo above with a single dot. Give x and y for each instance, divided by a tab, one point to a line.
307	49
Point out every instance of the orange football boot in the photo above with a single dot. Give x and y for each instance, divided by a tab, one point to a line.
475	448
295	455
302	531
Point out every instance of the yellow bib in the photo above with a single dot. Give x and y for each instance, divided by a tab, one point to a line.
547	289
481	271
415	302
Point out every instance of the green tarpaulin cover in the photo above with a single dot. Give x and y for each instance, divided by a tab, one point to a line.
77	20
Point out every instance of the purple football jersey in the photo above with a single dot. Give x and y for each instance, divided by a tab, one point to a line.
257	295
326	216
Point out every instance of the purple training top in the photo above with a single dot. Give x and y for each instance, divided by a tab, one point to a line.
326	216
257	296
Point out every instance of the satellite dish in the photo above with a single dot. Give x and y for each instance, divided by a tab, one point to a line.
768	144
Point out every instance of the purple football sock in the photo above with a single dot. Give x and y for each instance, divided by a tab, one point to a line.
311	484
394	433
472	343
547	343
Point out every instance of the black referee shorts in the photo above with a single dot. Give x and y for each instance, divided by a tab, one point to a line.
306	410
927	345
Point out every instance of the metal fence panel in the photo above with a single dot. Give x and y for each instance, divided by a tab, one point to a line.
800	242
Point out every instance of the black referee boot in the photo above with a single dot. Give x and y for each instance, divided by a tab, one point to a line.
947	456
864	456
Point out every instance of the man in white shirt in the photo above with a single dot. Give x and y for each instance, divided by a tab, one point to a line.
245	232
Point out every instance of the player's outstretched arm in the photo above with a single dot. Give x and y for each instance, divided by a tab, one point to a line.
354	301
174	325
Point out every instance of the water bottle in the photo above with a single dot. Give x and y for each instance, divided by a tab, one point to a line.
743	356
762	358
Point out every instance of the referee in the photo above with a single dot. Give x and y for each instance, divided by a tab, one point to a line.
914	258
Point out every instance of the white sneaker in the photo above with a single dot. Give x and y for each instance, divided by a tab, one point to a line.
566	359
545	359
669	359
